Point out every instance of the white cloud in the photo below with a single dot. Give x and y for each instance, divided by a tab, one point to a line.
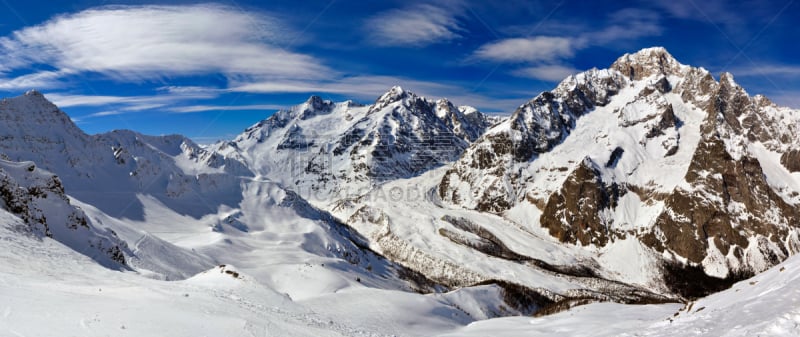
418	25
104	114
626	25
38	80
528	49
153	42
768	70
547	57
715	11
201	108
126	104
553	73
192	90
67	100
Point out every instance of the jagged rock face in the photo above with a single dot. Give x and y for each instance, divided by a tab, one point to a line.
466	122
548	118
410	139
578	212
791	160
731	202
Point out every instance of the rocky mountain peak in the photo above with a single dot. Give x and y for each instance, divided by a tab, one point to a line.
394	94
314	106
33	92
647	62
728	84
315	101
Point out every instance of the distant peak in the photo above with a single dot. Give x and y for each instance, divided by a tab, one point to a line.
443	102
313	99
647	62
726	78
397	89
34	92
394	94
657	50
316	103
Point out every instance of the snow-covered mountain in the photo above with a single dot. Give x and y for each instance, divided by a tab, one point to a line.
111	171
650	149
329	151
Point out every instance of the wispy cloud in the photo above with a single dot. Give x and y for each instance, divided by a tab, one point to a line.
787	99
625	25
134	43
104	113
546	57
529	49
202	108
364	86
714	11
118	105
68	100
37	80
550	72
769	70
417	25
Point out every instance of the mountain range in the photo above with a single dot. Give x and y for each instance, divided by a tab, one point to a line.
649	182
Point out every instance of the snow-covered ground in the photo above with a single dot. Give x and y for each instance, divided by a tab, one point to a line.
49	289
766	305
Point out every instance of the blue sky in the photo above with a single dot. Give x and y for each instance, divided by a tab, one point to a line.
210	69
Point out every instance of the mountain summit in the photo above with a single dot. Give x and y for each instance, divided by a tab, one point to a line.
647	62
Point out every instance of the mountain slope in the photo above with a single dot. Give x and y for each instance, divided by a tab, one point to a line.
37	198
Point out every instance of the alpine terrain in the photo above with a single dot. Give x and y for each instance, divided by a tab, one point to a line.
648	198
